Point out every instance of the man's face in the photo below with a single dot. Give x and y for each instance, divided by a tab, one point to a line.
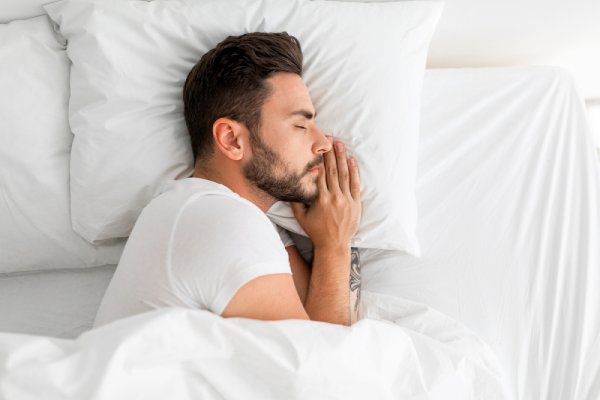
287	152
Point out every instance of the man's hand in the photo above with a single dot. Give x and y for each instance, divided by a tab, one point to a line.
331	222
332	219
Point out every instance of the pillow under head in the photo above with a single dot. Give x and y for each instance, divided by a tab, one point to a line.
364	65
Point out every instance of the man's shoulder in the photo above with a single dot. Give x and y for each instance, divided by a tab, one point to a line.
199	203
202	202
220	224
222	207
190	187
201	195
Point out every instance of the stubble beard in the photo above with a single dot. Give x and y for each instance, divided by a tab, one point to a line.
259	170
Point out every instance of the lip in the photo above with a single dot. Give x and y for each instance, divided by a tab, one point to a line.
314	170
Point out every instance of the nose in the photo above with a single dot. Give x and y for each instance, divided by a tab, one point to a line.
321	144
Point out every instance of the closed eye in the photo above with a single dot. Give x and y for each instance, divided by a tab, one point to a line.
301	127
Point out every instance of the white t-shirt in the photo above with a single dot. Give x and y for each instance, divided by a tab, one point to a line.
194	245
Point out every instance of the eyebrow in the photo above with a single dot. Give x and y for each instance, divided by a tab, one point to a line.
305	113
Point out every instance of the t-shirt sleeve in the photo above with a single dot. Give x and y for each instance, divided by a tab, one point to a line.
218	244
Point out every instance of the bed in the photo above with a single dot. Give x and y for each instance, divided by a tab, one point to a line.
508	199
500	299
508	194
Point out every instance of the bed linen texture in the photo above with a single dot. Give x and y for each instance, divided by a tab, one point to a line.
35	138
508	191
176	353
126	105
58	303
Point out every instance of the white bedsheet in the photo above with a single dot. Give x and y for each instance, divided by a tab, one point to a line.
509	224
194	354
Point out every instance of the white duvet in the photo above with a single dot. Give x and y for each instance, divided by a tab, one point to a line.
398	350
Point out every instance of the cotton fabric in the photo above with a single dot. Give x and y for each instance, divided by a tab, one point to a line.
193	246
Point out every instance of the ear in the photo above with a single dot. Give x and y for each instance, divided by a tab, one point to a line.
230	138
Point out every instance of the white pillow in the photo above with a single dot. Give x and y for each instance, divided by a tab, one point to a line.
364	66
35	225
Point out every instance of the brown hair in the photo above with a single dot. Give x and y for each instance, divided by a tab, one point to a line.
229	81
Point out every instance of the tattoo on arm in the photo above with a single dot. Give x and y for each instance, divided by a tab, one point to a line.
355	276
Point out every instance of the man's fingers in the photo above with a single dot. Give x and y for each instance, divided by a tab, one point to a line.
354	178
342	166
331	173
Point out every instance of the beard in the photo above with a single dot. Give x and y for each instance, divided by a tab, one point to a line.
260	171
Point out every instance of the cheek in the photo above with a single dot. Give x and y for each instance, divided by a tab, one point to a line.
294	148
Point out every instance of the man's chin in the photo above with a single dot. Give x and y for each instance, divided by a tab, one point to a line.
311	197
311	193
304	198
305	191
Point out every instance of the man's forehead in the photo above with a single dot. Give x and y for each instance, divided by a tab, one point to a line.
290	96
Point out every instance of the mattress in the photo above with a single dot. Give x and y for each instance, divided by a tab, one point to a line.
57	303
509	226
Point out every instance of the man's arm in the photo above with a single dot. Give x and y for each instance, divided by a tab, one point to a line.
328	297
355	284
302	276
261	291
268	297
301	270
331	221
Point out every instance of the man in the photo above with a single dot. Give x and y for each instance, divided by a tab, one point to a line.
205	241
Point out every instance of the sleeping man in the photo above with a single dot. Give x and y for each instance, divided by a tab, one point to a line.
205	241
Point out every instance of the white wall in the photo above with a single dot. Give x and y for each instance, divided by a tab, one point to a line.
522	32
565	33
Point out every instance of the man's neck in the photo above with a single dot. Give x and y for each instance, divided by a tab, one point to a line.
238	184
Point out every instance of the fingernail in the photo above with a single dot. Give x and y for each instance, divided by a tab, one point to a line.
352	161
339	146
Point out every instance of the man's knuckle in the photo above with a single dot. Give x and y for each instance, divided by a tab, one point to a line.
336	201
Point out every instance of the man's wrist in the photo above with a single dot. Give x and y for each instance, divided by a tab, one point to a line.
332	248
